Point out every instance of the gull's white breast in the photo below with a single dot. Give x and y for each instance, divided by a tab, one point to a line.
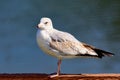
43	40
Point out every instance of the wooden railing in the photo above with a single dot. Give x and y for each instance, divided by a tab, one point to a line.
34	76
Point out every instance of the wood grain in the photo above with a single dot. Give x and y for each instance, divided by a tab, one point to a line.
33	76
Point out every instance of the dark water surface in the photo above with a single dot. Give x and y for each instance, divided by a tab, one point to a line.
96	22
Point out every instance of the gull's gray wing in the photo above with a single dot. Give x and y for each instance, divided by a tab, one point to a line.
67	45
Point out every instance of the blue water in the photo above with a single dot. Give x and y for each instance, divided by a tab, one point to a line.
96	22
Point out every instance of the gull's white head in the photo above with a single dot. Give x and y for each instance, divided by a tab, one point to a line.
45	23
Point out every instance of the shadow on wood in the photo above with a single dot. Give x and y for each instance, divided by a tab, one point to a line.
34	76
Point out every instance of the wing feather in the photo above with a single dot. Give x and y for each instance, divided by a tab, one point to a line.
101	53
66	44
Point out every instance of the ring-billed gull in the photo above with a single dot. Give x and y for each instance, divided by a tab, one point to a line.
64	45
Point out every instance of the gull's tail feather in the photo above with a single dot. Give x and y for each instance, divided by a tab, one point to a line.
101	53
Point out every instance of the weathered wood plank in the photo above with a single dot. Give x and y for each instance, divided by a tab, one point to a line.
26	76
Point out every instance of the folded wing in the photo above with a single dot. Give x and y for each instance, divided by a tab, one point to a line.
68	45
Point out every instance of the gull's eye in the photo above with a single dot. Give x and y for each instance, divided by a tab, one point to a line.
45	22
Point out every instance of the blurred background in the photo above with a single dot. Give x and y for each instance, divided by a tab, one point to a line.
95	22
